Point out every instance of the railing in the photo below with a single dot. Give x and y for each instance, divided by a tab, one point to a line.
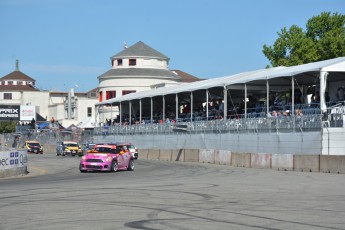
262	124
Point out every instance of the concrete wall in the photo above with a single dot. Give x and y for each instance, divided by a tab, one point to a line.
308	143
13	162
281	162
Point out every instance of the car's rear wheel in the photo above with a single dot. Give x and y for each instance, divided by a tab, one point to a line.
130	165
114	166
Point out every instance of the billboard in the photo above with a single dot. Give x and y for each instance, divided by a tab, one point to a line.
13	159
17	112
9	113
27	112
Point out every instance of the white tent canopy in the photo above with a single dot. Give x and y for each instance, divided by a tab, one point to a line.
332	65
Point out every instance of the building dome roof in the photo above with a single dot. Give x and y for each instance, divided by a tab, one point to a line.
140	49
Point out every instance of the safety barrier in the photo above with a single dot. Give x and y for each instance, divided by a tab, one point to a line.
280	162
13	162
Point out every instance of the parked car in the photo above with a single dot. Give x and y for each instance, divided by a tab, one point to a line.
107	157
68	147
85	148
33	147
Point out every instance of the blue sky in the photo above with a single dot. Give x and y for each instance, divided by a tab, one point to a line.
61	43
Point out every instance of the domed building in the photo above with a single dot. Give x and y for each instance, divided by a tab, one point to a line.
136	68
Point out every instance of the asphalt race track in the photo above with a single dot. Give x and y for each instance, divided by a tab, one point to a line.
169	195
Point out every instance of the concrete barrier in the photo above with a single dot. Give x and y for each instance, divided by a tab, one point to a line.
306	163
206	156
49	148
153	154
191	155
332	164
262	161
222	157
241	160
282	162
13	163
143	154
165	154
177	155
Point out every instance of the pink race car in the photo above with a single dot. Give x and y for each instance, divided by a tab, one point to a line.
107	157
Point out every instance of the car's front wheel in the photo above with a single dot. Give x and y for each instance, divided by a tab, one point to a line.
114	166
81	170
130	165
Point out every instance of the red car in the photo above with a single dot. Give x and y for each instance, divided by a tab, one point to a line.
107	157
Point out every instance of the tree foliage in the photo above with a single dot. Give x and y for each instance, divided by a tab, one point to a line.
7	127
323	39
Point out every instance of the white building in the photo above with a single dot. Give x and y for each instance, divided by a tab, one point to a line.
67	108
136	68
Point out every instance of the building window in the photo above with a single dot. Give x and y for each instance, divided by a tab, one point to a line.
110	95
10	82
8	96
119	62
19	83
89	111
100	96
132	62
124	92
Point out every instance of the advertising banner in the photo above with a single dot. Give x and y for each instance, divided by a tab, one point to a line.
27	112
13	159
9	113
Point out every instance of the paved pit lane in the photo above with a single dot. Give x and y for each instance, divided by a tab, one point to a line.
169	195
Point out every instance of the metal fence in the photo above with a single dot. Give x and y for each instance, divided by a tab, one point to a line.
305	123
270	124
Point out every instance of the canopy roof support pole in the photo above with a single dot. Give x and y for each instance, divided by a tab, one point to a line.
140	113
111	113
225	99
130	113
267	98
151	110
163	108
191	106
176	103
292	112
245	100
120	113
207	104
323	84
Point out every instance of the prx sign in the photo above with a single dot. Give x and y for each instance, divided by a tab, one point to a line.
9	113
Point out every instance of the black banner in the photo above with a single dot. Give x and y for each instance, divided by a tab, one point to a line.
9	113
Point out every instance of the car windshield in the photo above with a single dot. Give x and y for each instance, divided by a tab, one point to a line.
34	145
71	145
106	150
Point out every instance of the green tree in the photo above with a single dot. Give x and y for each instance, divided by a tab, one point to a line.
7	127
323	39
